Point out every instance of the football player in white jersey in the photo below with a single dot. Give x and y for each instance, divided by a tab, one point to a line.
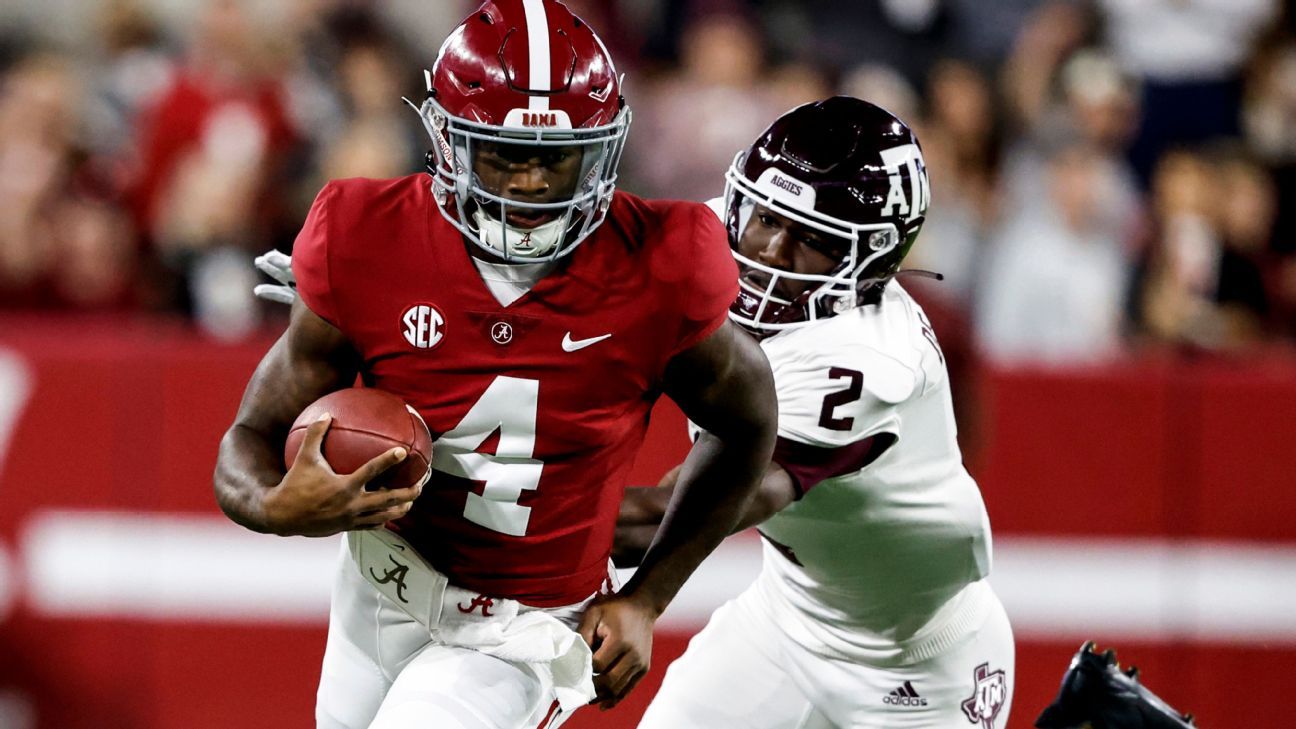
872	607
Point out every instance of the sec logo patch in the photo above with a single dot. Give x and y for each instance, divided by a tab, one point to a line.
423	326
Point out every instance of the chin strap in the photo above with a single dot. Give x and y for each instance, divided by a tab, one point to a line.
872	293
920	273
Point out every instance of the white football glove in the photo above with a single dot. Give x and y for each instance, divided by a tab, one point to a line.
277	266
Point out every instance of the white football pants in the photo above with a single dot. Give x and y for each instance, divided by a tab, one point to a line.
383	670
743	672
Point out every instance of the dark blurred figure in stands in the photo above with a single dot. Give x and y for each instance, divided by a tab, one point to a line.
1096	694
961	142
1269	121
1056	277
1190	56
211	147
1204	283
961	132
62	246
1094	104
694	119
132	69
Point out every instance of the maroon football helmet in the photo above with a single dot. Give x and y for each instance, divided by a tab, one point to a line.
842	167
527	73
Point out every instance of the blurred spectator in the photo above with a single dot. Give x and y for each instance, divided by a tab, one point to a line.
797	83
222	116
133	73
376	139
986	31
691	123
883	85
1190	56
1269	120
95	247
1270	109
61	246
212	145
908	35
961	147
1098	107
37	125
1051	34
217	134
1205	284
1056	282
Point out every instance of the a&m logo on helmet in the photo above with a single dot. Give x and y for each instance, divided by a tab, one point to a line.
423	326
906	161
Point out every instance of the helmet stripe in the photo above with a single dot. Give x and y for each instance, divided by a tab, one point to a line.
537	21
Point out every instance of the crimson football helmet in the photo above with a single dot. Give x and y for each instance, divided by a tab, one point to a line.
842	167
532	74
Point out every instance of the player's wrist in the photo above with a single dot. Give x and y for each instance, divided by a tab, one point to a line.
276	517
650	598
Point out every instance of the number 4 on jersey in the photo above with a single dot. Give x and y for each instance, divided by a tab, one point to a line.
509	406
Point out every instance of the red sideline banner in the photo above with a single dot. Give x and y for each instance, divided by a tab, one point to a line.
1148	507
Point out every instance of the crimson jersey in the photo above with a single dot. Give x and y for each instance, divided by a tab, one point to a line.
538	408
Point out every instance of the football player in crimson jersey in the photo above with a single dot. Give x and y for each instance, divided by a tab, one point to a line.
872	608
531	314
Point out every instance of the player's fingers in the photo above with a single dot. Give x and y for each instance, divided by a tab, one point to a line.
377	465
313	441
625	690
278	258
612	682
602	688
608	653
276	265
275	293
387	498
588	624
375	519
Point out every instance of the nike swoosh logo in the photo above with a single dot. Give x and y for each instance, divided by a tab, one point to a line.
571	345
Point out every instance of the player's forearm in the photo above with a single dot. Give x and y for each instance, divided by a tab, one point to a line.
714	488
246	468
312	358
644	507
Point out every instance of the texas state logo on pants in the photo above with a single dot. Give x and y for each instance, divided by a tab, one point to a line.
989	693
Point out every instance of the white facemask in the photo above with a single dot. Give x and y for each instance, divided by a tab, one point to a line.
513	243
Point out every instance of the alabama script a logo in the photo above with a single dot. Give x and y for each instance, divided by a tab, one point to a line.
395	574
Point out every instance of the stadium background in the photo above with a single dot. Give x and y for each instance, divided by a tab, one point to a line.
1113	208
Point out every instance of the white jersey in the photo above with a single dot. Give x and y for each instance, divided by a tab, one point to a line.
875	564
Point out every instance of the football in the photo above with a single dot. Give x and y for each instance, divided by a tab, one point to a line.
366	423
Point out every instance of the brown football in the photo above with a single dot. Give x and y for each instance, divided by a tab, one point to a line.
366	423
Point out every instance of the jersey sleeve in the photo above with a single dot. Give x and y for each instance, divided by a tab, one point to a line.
310	257
712	284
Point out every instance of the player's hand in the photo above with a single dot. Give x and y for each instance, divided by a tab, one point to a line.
313	501
277	266
619	629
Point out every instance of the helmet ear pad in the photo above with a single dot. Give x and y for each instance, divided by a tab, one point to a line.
847	168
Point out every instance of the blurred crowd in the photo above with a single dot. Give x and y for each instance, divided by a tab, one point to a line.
1108	177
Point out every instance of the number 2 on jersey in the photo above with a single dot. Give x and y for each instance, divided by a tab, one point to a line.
509	405
834	400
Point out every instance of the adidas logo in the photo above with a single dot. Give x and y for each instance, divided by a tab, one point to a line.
904	696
